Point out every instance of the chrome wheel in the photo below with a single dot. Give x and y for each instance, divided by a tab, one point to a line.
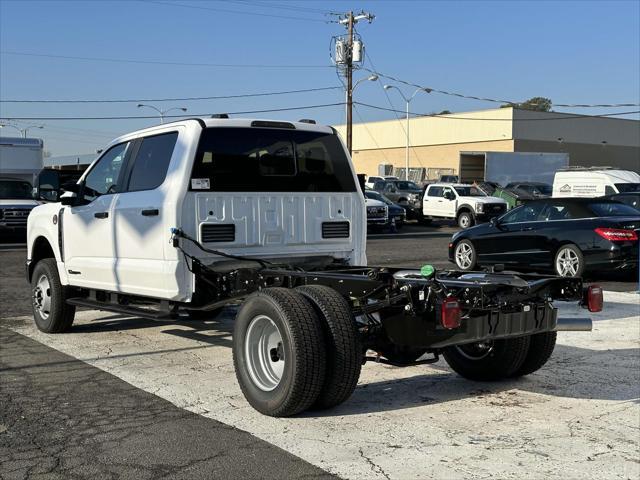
42	297
567	263
264	353
476	351
464	256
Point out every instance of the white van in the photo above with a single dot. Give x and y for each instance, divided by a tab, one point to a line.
596	182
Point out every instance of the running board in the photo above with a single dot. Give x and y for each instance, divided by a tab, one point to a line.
572	324
124	309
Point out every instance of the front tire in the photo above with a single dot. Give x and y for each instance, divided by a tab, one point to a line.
486	361
465	255
279	352
51	312
344	351
569	261
465	220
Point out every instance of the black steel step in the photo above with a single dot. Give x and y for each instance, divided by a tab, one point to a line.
127	310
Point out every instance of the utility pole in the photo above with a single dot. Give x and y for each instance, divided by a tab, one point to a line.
350	51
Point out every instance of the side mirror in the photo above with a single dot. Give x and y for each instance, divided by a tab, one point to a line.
495	222
448	195
68	198
48	186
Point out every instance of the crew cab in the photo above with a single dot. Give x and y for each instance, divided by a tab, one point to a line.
187	217
467	204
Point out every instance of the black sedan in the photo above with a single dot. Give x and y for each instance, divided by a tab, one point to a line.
630	198
567	235
397	214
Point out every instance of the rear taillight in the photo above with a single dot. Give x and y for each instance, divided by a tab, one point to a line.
594	298
450	314
617	234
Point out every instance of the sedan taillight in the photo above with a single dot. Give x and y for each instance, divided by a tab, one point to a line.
617	234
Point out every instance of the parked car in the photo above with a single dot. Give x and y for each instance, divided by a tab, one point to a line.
630	198
397	214
377	213
535	189
403	192
566	235
466	204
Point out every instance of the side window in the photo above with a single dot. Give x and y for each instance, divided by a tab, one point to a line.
525	213
435	192
152	162
103	177
556	211
450	190
608	190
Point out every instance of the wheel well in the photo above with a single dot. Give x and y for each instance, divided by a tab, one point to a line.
464	210
41	249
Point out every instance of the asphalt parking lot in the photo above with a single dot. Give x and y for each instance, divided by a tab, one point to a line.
129	398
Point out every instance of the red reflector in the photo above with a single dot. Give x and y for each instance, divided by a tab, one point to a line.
617	234
594	298
450	313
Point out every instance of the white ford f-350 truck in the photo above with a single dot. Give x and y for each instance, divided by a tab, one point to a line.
190	216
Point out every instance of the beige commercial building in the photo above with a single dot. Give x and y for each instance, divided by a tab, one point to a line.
436	141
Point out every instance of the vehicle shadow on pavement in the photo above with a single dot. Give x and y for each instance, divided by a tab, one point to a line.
571	373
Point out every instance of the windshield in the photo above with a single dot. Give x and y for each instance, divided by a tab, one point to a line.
469	192
15	189
406	185
613	210
270	160
628	187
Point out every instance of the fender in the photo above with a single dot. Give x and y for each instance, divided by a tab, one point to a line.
468	207
45	222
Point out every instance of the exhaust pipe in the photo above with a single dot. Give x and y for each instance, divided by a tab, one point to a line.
573	324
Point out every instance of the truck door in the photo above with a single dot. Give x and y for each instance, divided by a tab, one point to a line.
430	200
88	246
141	219
449	203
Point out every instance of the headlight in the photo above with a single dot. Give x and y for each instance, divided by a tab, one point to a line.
479	207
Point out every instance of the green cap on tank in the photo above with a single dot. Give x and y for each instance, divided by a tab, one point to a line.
427	270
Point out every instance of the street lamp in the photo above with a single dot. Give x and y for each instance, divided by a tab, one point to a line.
348	104
161	112
23	131
407	102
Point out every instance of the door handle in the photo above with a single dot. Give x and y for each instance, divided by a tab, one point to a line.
150	212
101	214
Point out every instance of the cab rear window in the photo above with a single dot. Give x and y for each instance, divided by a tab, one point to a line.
270	160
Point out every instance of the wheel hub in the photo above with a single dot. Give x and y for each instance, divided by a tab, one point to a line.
264	353
42	297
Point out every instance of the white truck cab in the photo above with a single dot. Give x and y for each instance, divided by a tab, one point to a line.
252	188
594	182
466	204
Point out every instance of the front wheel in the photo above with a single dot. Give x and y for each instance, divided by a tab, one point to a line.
569	261
51	312
465	220
465	255
279	352
488	360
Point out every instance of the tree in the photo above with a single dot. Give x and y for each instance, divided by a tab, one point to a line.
445	112
538	104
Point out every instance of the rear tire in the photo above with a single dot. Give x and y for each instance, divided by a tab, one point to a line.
344	351
279	352
569	261
51	312
541	347
499	359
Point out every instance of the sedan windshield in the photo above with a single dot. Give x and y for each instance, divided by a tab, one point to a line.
613	210
470	192
12	189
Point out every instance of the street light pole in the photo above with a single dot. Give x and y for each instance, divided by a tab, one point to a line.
407	102
162	113
23	131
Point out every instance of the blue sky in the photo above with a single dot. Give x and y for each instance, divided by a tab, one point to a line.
572	52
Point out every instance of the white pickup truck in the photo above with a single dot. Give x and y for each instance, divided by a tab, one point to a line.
466	204
181	219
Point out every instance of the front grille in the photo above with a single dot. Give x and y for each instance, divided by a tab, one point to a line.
15	217
495	208
335	229
376	212
216	233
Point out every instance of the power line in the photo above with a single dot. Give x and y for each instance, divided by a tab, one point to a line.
226	10
494	100
146	117
155	62
294	8
568	116
185	99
